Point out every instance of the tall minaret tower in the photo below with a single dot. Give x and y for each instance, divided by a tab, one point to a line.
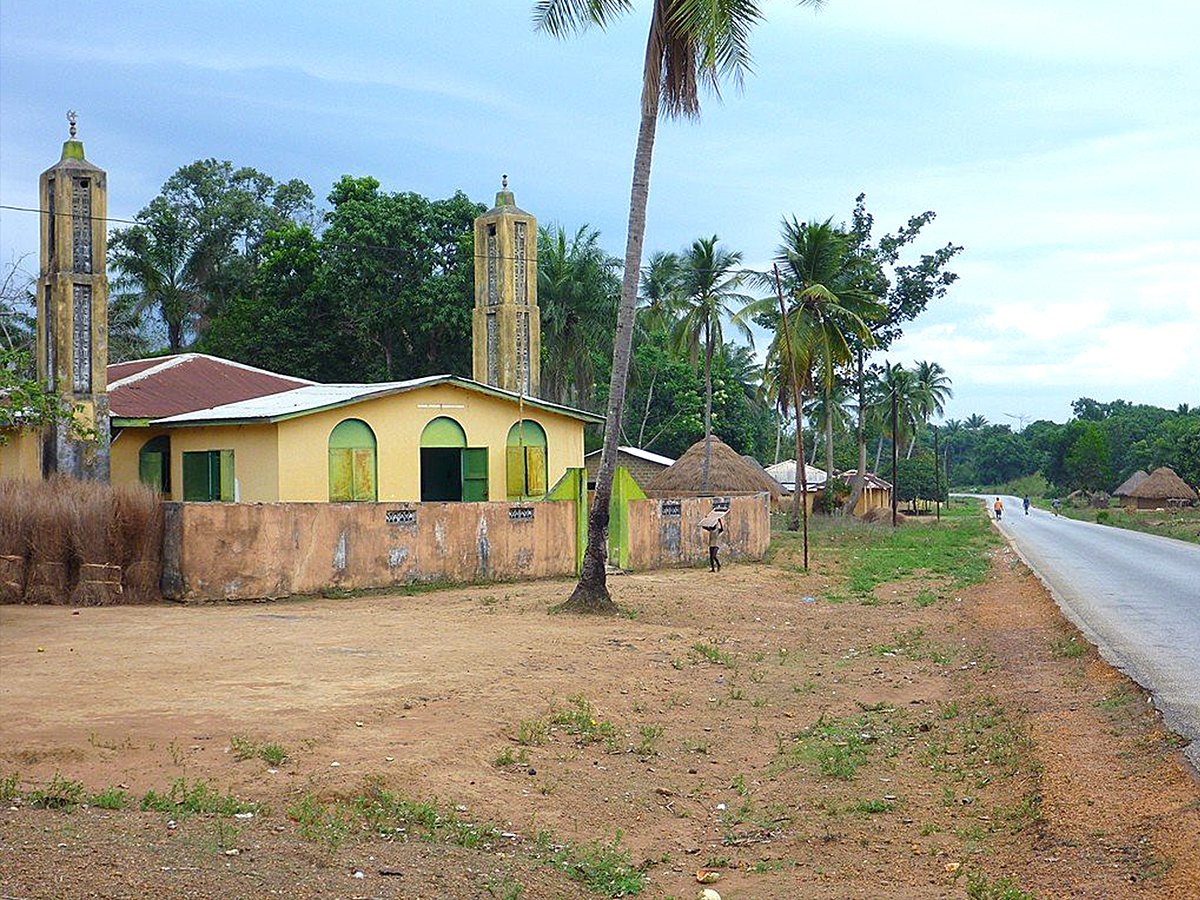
507	323
72	309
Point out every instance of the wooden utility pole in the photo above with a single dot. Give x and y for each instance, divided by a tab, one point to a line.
895	446
798	395
937	475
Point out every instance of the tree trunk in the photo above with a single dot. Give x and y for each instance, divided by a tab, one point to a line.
800	494
708	355
778	438
828	450
857	486
591	593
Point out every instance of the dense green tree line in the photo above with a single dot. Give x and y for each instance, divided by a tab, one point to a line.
1101	446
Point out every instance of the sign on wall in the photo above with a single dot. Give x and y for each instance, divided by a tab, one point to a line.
671	509
400	517
520	514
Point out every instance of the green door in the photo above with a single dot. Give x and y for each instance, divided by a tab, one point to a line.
475	474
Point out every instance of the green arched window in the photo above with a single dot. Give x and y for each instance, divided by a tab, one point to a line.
450	470
526	459
352	462
154	464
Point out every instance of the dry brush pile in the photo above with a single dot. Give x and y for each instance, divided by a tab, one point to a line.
79	543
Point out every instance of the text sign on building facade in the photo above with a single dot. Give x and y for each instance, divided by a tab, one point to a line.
400	517
672	509
720	503
520	514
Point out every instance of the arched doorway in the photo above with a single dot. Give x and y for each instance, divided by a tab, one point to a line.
154	464
450	470
526	460
352	462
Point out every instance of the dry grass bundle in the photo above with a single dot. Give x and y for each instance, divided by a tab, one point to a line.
48	569
883	514
90	509
137	530
727	474
15	503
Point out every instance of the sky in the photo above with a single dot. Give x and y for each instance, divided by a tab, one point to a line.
1057	142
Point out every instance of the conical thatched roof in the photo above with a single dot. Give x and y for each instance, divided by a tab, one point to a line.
727	474
1163	484
1130	483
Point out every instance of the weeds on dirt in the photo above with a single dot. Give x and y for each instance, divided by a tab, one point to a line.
713	654
59	793
980	887
182	799
531	732
10	786
1069	648
839	747
650	736
109	798
580	721
506	757
271	753
326	824
604	868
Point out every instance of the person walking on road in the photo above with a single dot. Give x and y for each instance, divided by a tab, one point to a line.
714	546
998	507
1026	503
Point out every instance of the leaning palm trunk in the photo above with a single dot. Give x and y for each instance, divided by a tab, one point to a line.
591	593
708	355
800	493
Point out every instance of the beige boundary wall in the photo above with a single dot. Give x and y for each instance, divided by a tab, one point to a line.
249	551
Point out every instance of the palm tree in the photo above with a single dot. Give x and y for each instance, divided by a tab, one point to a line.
975	422
689	42
932	391
827	309
656	317
160	266
577	293
902	383
952	433
707	285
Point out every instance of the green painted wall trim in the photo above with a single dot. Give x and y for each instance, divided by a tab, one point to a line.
624	489
443	432
573	486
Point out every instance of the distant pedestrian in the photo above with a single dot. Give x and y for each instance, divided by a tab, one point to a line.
1057	504
1026	502
999	508
714	546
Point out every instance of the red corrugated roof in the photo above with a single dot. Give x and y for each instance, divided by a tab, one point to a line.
170	385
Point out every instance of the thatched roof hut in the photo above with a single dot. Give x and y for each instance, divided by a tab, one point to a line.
728	474
1130	483
1161	488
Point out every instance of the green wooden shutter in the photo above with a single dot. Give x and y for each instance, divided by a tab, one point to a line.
475	474
195	476
150	469
363	468
224	461
535	471
341	474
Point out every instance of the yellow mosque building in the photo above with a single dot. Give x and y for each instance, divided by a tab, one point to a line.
200	428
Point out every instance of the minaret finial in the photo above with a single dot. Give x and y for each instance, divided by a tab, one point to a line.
504	182
71	121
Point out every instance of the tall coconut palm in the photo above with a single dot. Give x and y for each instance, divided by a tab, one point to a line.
708	284
827	307
933	389
577	292
895	380
690	42
975	422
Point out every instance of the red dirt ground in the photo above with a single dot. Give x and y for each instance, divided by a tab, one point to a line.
990	751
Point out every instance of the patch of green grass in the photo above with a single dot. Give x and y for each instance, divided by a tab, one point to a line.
507	757
504	888
839	747
980	887
650	737
10	787
1069	648
271	753
182	799
871	807
109	798
713	654
531	732
388	813
925	598
59	793
578	719
326	824
604	868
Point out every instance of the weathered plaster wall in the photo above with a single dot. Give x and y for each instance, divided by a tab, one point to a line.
246	551
21	456
660	538
240	551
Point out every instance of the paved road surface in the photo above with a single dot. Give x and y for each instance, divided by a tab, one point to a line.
1135	596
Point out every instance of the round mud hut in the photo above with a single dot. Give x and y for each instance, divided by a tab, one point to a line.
1129	484
1163	488
728	474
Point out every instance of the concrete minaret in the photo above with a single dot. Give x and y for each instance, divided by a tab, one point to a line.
507	323
72	309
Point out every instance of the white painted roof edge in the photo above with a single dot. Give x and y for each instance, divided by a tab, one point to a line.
180	358
640	454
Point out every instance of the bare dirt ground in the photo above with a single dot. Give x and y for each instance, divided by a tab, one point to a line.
802	749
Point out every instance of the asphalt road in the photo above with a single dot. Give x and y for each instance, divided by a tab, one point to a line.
1135	596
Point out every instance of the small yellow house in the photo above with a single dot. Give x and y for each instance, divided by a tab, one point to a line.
436	438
